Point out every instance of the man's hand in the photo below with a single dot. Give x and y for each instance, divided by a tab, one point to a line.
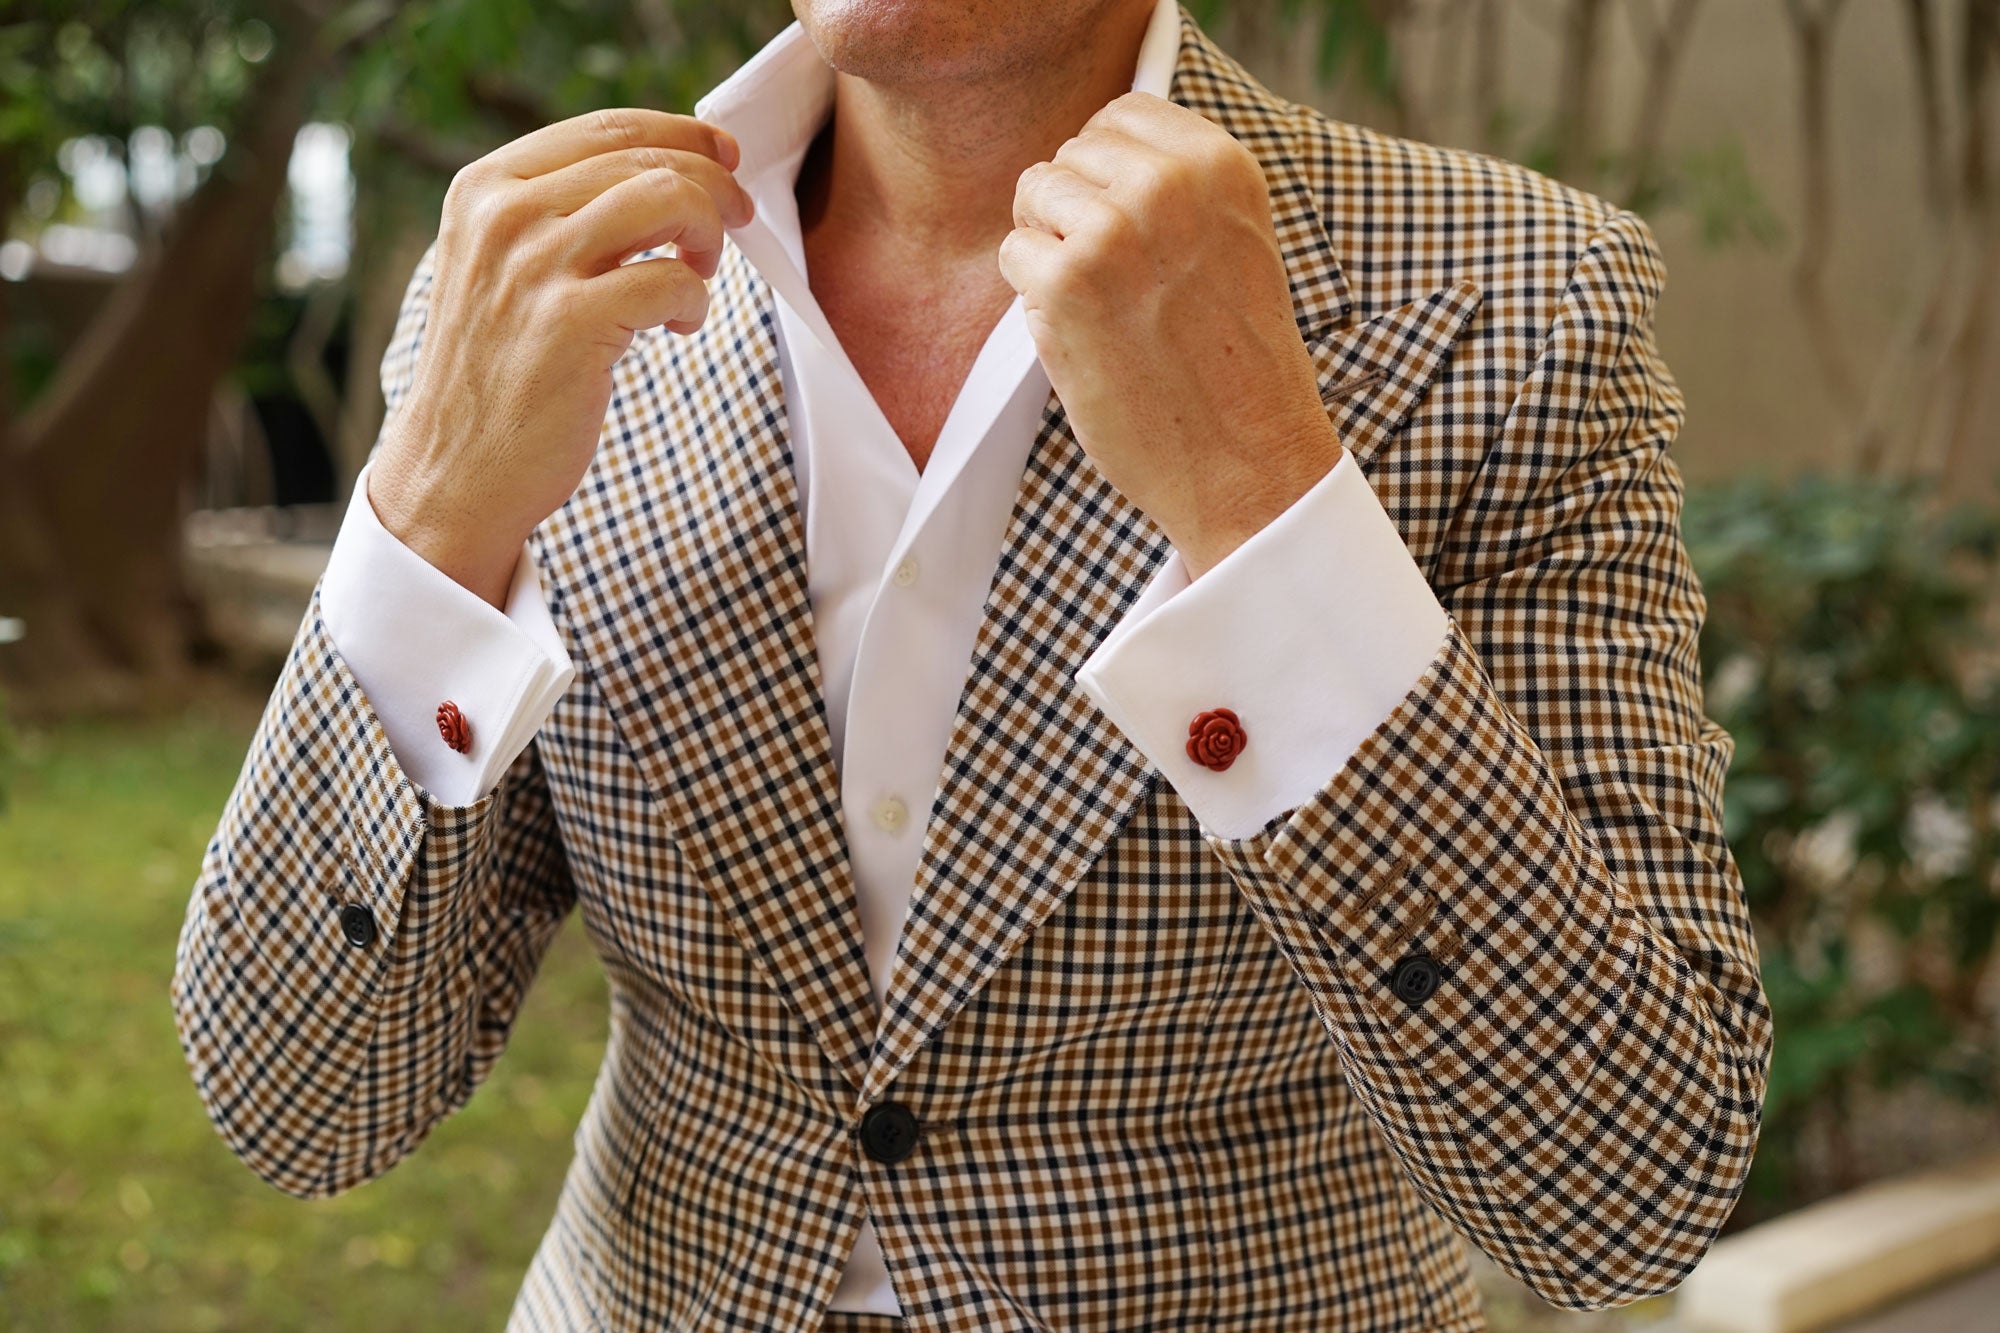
530	306
1157	296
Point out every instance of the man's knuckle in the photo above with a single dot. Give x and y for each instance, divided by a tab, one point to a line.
467	184
651	157
1233	161
526	263
679	197
677	288
488	213
1172	180
1094	233
619	126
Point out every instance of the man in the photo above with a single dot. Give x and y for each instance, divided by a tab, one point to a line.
1131	744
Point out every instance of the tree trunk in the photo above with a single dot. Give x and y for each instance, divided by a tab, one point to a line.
107	455
57	663
59	653
1575	139
390	237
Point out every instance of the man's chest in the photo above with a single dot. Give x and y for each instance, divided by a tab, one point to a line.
913	342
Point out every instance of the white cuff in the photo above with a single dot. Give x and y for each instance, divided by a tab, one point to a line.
1311	632
414	638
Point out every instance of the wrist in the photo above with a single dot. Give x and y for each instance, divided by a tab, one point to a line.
423	514
1238	505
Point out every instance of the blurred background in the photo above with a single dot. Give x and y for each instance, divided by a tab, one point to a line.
209	209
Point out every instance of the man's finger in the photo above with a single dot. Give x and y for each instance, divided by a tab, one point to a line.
1151	119
1104	157
653	292
553	147
569	189
1055	199
1028	257
643	211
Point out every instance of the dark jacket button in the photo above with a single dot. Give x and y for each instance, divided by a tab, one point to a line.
889	1132
358	924
1414	979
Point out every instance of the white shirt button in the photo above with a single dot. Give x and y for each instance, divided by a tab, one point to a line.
891	814
906	572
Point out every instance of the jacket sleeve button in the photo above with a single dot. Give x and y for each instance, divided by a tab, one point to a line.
1414	978
357	923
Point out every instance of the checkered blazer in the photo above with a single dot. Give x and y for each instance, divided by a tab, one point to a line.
1163	1080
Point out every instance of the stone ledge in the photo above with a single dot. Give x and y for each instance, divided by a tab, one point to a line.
1842	1258
255	570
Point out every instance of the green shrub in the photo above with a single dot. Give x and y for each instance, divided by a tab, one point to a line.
1849	651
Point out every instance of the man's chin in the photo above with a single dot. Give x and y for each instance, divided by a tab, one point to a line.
903	41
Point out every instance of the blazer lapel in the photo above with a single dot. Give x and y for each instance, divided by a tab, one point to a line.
1036	780
680	565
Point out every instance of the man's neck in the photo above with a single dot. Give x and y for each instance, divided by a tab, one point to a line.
929	168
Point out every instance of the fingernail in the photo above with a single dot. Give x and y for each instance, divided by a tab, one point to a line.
732	152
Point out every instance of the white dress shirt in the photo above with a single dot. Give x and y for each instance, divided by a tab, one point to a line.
1322	619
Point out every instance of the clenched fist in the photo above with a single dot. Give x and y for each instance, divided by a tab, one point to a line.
1154	287
530	306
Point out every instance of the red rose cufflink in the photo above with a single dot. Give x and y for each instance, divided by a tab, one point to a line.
1215	738
453	727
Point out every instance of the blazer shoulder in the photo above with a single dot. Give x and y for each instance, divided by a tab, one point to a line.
1406	217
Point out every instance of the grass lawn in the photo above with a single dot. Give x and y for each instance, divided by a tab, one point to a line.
119	1207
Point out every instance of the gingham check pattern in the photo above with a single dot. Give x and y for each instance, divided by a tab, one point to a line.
1162	1080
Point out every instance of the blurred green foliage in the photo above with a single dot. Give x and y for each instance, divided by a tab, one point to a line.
473	68
1717	188
1354	39
108	67
1850	652
422	86
462	76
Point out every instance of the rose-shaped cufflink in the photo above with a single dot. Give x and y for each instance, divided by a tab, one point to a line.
453	727
1215	738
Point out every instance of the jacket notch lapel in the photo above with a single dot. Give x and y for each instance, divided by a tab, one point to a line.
681	568
1036	780
1372	377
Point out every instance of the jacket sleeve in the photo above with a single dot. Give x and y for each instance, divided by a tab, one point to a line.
355	951
1572	1067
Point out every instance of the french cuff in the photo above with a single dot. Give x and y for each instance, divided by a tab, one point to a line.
415	639
1310	633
